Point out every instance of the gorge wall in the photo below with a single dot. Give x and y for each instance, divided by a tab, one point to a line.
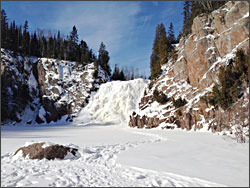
213	43
42	90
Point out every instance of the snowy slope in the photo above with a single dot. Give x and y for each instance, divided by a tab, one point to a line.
113	103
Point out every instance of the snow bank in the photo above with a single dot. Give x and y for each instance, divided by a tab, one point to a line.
113	103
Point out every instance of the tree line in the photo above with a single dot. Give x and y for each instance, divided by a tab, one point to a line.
127	73
163	48
17	38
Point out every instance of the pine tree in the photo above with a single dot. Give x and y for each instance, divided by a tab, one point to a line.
12	37
116	73
103	58
25	39
164	48
50	45
122	76
92	56
34	46
19	38
84	55
73	45
59	45
155	65
4	28
186	19
171	37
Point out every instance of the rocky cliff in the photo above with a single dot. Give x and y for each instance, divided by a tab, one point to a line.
41	90
213	43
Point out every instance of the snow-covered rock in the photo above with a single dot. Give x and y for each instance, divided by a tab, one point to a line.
41	90
66	86
213	43
19	90
50	151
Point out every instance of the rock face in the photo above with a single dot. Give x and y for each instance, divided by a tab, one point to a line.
65	86
213	43
36	151
41	90
18	85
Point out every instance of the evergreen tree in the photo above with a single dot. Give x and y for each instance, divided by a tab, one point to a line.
73	45
4	28
179	36
122	76
25	27
19	38
25	39
50	45
12	37
34	46
155	65
92	56
171	37
84	55
186	19
55	49
164	48
59	45
44	47
103	59
116	73
66	49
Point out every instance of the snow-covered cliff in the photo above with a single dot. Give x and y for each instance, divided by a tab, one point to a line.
41	90
213	43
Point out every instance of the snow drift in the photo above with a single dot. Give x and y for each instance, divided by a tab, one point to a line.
113	103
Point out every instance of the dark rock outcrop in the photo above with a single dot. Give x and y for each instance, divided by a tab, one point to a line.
36	151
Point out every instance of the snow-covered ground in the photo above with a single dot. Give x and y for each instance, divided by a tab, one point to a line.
113	154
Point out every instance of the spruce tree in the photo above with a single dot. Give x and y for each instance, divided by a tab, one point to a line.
155	65
164	48
4	28
103	58
122	76
50	45
84	55
115	75
25	39
34	46
19	38
73	45
59	45
186	19
171	37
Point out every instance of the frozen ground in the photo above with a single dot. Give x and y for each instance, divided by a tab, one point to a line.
116	155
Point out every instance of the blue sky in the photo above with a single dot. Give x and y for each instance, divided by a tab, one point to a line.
126	28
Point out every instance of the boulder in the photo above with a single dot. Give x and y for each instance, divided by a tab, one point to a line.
36	151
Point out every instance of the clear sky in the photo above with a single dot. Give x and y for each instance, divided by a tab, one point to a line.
127	28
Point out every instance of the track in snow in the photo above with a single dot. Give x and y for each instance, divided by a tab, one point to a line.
97	166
